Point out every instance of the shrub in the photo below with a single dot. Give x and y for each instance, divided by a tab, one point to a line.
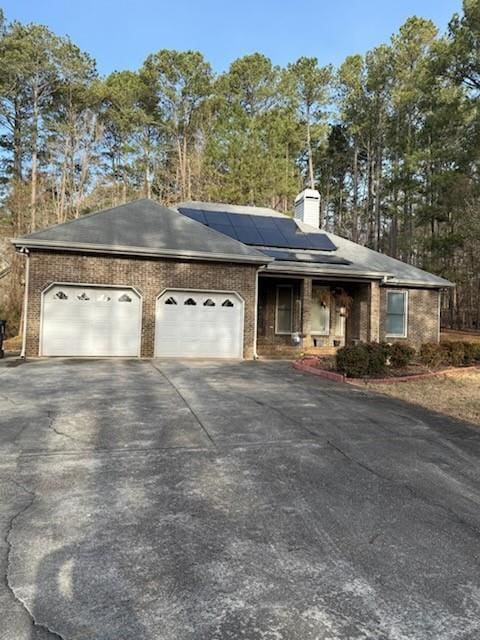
471	352
476	352
352	360
431	355
12	315
400	354
377	358
359	360
453	353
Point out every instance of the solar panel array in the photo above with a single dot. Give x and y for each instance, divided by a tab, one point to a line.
265	231
293	256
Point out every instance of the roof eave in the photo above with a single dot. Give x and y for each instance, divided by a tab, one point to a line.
387	278
424	284
139	251
304	269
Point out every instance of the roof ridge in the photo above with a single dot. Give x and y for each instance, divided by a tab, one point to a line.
92	214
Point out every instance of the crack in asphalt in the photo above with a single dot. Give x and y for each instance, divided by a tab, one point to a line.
185	402
7	399
9	544
279	412
413	492
51	422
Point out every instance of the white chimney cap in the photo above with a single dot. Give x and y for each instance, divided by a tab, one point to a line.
308	193
307	207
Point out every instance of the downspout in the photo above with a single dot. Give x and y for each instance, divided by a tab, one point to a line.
26	253
255	319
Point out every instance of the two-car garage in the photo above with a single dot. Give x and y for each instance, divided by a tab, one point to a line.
98	321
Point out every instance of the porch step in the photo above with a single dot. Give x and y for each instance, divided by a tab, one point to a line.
290	352
321	351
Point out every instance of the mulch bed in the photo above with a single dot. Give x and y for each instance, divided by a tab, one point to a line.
325	368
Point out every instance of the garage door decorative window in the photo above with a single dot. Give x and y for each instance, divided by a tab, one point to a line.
61	295
103	298
170	300
83	296
227	303
124	298
209	303
190	302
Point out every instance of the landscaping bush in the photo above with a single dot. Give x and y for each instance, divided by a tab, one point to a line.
453	353
352	360
359	360
431	355
400	354
472	353
377	358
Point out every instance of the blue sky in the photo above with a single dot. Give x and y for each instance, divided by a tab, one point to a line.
120	34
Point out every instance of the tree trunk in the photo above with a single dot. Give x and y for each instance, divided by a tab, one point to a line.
309	151
17	142
34	176
355	193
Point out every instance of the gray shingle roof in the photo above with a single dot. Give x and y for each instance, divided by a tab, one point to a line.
363	262
142	227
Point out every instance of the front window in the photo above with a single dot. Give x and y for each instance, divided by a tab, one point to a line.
396	321
284	310
320	311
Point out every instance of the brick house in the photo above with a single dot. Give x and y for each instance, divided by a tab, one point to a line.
215	280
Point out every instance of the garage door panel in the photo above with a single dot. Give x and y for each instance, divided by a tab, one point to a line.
204	329
90	321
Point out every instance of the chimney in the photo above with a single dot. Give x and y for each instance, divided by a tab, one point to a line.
307	207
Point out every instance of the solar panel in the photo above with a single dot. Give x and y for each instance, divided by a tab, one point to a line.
273	231
226	229
194	214
272	237
294	256
214	217
240	220
320	241
264	222
249	235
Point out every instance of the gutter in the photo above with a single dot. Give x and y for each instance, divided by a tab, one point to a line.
445	284
139	251
387	279
26	253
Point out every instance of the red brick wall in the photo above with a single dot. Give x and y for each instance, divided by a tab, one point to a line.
149	276
423	316
366	320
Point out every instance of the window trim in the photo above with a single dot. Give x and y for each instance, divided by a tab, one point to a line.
277	332
329	320
405	312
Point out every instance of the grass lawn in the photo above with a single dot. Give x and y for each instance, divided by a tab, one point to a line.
450	335
456	394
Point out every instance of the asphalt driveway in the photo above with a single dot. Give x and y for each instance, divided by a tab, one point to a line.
166	501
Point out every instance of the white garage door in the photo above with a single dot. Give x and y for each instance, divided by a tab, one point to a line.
90	321
199	324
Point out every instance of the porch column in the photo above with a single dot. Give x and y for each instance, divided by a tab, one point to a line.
374	312
306	298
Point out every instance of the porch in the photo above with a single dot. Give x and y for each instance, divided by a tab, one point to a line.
314	315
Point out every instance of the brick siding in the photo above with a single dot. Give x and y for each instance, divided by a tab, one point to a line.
423	316
149	276
365	322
